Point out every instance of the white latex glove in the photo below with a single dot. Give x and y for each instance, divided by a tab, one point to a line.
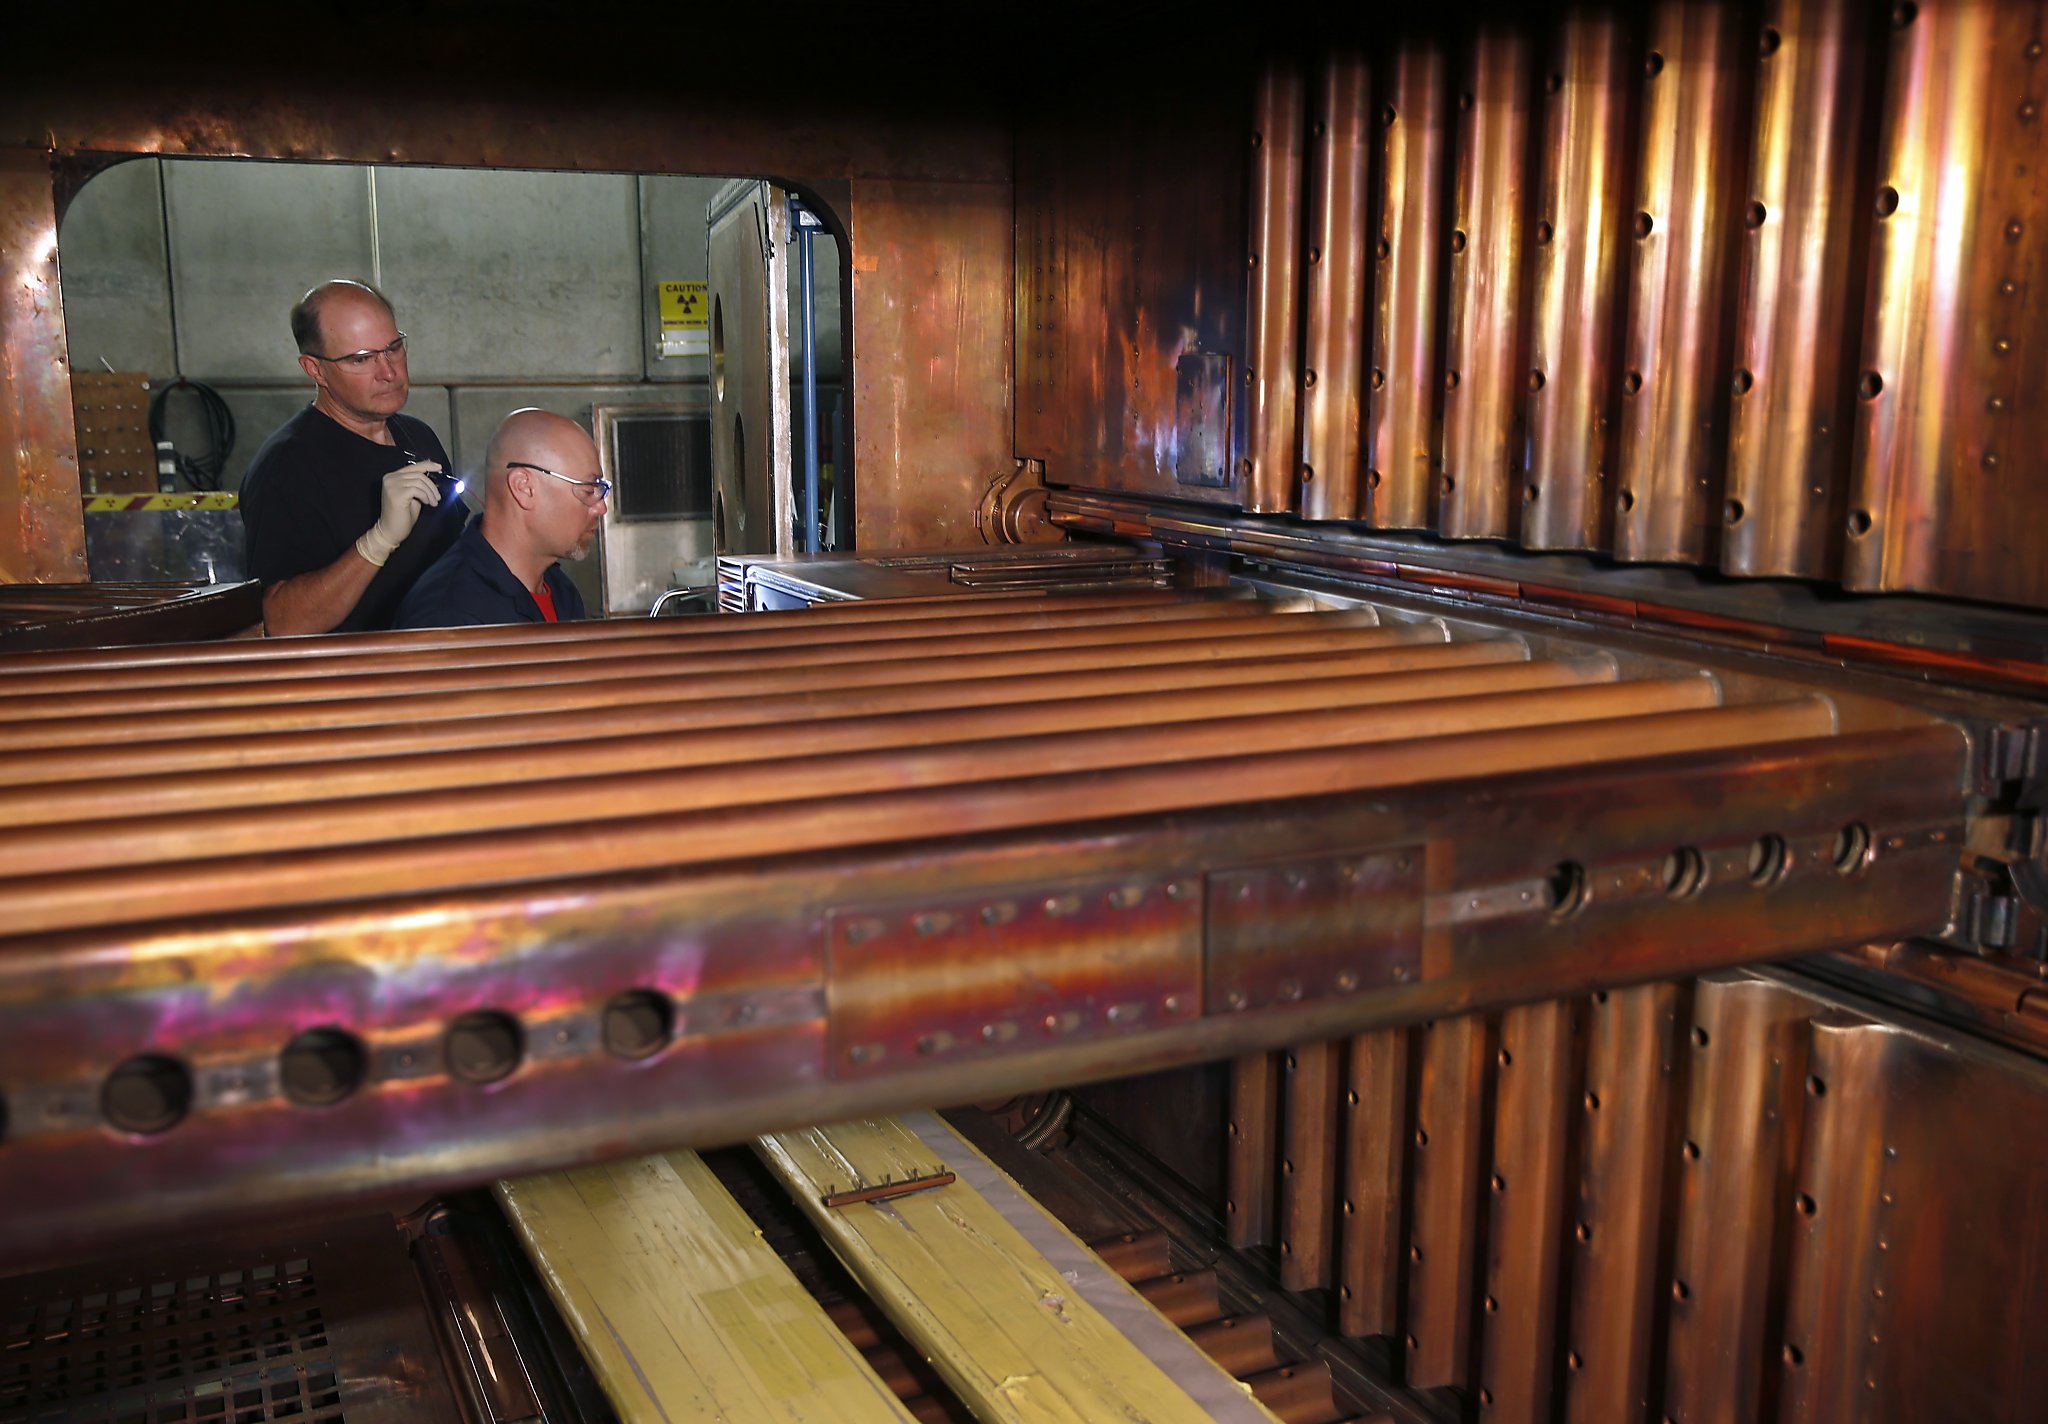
406	490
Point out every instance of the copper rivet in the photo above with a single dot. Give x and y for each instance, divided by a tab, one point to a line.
2027	112
2013	230
2033	49
2002	346
1315	255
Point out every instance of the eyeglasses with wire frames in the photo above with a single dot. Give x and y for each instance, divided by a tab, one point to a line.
597	489
361	360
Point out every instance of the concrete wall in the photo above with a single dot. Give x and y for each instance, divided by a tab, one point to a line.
514	288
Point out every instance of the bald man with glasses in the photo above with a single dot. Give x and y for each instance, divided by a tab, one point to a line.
348	502
543	503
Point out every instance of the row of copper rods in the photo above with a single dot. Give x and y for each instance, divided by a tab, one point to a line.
1748	287
1580	1209
276	775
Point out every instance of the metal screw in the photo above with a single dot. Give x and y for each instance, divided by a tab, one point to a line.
1235	998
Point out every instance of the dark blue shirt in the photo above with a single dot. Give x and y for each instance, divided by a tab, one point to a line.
470	586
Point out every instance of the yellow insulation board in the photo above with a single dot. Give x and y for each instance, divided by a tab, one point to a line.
683	1311
1002	1326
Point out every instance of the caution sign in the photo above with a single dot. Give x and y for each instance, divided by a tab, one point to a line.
685	306
122	503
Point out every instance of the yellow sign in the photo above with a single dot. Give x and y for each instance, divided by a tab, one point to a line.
120	503
685	306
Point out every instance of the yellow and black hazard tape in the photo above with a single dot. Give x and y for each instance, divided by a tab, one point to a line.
118	503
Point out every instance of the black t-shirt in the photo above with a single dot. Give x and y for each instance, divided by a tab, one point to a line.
316	486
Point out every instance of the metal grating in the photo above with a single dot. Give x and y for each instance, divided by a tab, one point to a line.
238	1346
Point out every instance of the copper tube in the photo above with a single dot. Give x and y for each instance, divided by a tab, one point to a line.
1265	481
1185	1298
787	770
808	653
330	645
1135	1255
856	1322
1375	1158
604	693
1401	421
1241	1344
1299	1394
1690	195
1174	692
1536	1077
226	883
1308	1167
1801	287
1251	1153
1945	494
1443	1236
736	635
1339	282
1485	347
1631	1035
1746	1074
890	1363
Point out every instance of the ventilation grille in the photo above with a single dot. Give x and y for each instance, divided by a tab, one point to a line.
239	1347
662	467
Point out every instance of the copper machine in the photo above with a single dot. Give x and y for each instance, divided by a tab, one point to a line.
1475	757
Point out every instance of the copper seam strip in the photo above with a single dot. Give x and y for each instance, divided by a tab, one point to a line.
81	729
739	637
819	822
756	738
810	654
838	615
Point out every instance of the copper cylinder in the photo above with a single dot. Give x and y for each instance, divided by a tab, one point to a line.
1690	193
1799	312
1578	280
1174	691
1241	1344
1486	363
1273	315
1402	406
1339	276
1185	1298
1946	494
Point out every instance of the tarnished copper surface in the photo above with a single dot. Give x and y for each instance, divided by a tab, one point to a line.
1632	1070
1161	692
1389	649
628	639
1952	414
1405	384
1486	374
735	948
283	686
1338	279
1735	1168
418	840
1690	192
1578	283
42	527
1111	295
931	265
1252	1200
1266	478
1443	1235
1375	1157
1536	1077
1799	311
1308	1166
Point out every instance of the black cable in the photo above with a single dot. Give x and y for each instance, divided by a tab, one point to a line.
199	472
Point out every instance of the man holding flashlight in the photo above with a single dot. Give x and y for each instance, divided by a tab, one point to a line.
349	500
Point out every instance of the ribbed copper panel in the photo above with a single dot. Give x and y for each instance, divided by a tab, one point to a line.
1801	293
1338	281
1403	407
1578	280
1690	192
1946	494
1486	369
1443	1239
1272	329
1308	1166
1371	1227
